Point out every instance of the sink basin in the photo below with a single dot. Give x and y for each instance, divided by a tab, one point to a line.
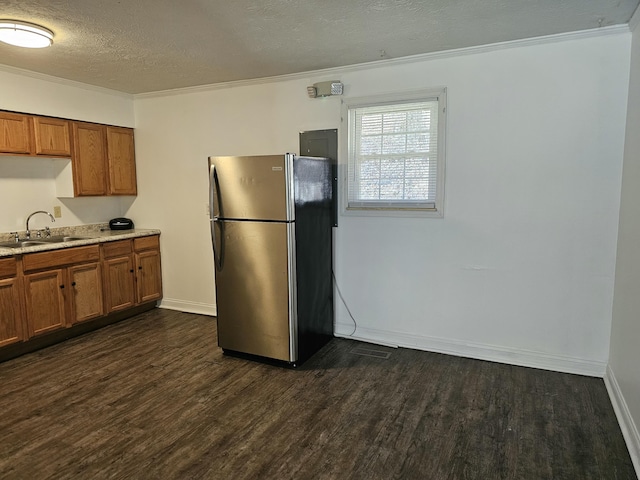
69	239
22	243
41	241
60	239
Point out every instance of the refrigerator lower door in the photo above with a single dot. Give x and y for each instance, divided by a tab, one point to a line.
255	289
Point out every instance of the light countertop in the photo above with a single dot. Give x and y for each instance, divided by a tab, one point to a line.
96	233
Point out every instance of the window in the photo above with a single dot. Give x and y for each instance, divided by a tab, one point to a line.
396	154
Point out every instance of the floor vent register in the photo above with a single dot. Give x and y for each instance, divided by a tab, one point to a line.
370	352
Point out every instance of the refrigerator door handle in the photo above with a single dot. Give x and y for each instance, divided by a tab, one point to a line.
213	219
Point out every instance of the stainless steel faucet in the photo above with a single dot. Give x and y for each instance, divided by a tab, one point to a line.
29	218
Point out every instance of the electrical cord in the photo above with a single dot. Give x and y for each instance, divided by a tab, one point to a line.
335	282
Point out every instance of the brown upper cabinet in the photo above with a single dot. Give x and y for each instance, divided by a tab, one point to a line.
52	136
103	160
89	161
121	161
15	133
102	157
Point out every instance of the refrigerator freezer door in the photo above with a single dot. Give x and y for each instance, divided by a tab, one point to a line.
253	188
255	289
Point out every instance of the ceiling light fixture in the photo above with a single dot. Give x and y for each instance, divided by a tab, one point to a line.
23	34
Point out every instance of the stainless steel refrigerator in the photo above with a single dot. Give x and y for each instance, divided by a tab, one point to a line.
271	219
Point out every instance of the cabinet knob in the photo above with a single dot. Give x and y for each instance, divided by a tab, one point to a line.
140	268
61	286
73	284
131	271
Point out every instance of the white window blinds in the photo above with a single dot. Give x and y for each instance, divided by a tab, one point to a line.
393	155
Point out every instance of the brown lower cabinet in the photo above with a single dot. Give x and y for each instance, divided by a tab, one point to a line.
44	300
62	287
10	311
85	292
59	289
132	272
119	275
148	269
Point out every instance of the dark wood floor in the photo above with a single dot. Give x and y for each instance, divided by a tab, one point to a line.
153	398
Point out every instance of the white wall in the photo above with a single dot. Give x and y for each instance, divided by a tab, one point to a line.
520	269
523	262
174	136
623	376
27	184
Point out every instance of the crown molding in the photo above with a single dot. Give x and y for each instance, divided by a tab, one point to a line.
560	37
556	38
64	81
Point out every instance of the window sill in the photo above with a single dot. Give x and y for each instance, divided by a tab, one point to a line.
393	212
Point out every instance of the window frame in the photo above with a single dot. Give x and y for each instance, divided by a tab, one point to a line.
395	208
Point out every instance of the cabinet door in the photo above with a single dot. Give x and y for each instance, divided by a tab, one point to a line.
44	301
85	285
118	283
15	133
89	159
53	136
10	318
149	276
121	161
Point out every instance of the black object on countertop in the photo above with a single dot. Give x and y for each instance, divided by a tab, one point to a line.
121	223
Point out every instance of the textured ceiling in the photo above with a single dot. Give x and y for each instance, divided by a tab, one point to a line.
138	46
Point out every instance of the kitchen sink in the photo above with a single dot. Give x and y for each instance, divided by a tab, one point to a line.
42	241
22	243
60	239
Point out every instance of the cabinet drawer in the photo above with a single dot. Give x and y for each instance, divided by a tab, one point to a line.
116	249
146	243
59	258
7	267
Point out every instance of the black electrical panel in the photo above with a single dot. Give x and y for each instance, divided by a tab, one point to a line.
323	143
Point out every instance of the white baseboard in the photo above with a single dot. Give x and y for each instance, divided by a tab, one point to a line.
627	425
189	307
492	353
